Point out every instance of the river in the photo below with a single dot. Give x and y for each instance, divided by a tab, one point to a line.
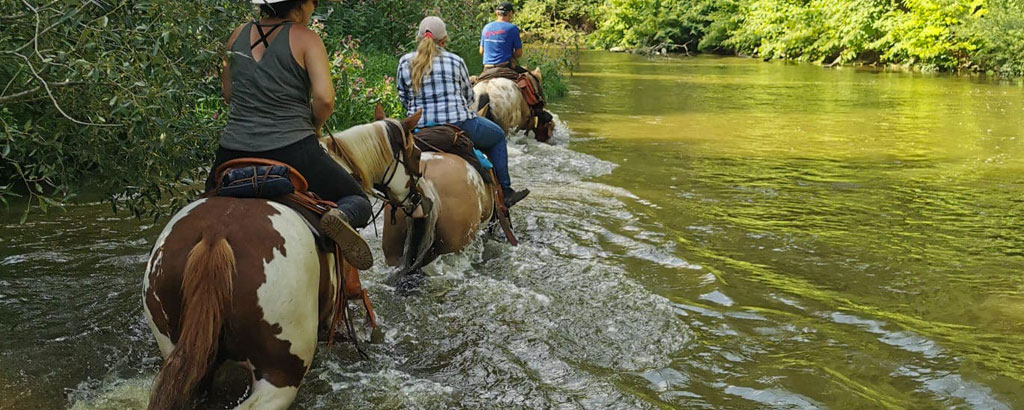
707	232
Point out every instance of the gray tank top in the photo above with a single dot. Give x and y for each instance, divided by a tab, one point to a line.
270	98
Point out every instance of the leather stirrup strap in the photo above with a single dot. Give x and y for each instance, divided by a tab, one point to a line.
501	212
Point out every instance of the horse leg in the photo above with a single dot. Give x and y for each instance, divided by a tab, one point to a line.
280	362
410	282
276	315
266	395
393	241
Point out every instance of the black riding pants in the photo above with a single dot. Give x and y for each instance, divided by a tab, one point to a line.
325	176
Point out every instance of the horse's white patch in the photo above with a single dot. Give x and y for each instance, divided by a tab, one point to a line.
478	183
155	267
266	396
474	176
163	341
288	297
430	156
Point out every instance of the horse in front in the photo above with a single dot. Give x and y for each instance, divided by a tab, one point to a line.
460	198
513	100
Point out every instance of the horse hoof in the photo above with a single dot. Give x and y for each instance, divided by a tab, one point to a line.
411	282
376	336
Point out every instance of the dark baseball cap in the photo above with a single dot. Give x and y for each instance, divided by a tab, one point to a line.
505	8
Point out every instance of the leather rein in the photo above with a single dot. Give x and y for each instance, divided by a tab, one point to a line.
380	188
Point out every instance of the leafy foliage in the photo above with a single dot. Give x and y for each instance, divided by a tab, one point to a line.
124	92
123	96
999	31
930	34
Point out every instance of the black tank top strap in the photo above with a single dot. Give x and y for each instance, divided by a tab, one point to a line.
264	35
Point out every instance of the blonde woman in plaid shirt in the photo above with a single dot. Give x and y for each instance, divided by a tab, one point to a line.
437	82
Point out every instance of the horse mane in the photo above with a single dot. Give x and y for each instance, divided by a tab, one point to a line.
366	149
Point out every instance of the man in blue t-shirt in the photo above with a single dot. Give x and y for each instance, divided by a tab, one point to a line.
499	41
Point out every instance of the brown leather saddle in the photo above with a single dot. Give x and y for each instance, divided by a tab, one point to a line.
311	207
527	83
451	139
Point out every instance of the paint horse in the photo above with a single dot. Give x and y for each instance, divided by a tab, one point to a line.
243	281
501	100
460	203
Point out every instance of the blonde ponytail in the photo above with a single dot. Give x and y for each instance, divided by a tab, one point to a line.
423	62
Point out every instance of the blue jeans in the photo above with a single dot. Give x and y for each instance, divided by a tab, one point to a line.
489	138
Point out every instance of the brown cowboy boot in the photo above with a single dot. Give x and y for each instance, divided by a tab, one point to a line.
354	248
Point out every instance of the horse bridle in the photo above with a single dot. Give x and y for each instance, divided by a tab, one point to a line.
380	188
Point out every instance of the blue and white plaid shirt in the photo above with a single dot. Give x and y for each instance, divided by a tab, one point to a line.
445	95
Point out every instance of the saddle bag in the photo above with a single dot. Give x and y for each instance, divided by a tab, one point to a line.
530	92
256	181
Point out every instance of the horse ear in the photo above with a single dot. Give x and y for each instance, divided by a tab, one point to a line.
378	112
536	73
409	123
483	110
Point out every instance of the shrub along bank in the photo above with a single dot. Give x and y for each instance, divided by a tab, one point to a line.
955	35
123	96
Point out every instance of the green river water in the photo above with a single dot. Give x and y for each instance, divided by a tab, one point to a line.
706	232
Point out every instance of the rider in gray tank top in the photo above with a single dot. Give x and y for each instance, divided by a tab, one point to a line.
269	106
275	108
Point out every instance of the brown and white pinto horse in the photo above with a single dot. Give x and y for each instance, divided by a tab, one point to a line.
461	203
506	106
242	280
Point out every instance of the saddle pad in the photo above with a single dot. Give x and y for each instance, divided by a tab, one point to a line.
256	181
498	72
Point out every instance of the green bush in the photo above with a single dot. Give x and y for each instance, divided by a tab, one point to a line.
999	30
930	34
124	95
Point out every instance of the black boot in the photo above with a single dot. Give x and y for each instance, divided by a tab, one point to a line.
512	196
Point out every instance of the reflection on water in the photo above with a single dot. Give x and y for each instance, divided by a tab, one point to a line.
720	233
866	224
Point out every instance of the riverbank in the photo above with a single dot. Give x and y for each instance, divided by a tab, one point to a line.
955	35
1014	78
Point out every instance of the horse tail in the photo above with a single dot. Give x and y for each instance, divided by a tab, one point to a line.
482	101
206	291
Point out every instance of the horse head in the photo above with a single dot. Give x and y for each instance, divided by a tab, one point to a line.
383	157
544	126
543	121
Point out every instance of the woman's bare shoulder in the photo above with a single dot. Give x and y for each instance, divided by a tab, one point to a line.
305	35
234	35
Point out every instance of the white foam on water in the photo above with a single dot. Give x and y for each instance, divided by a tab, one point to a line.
112	394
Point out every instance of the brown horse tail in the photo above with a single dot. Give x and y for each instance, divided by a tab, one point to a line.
206	292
